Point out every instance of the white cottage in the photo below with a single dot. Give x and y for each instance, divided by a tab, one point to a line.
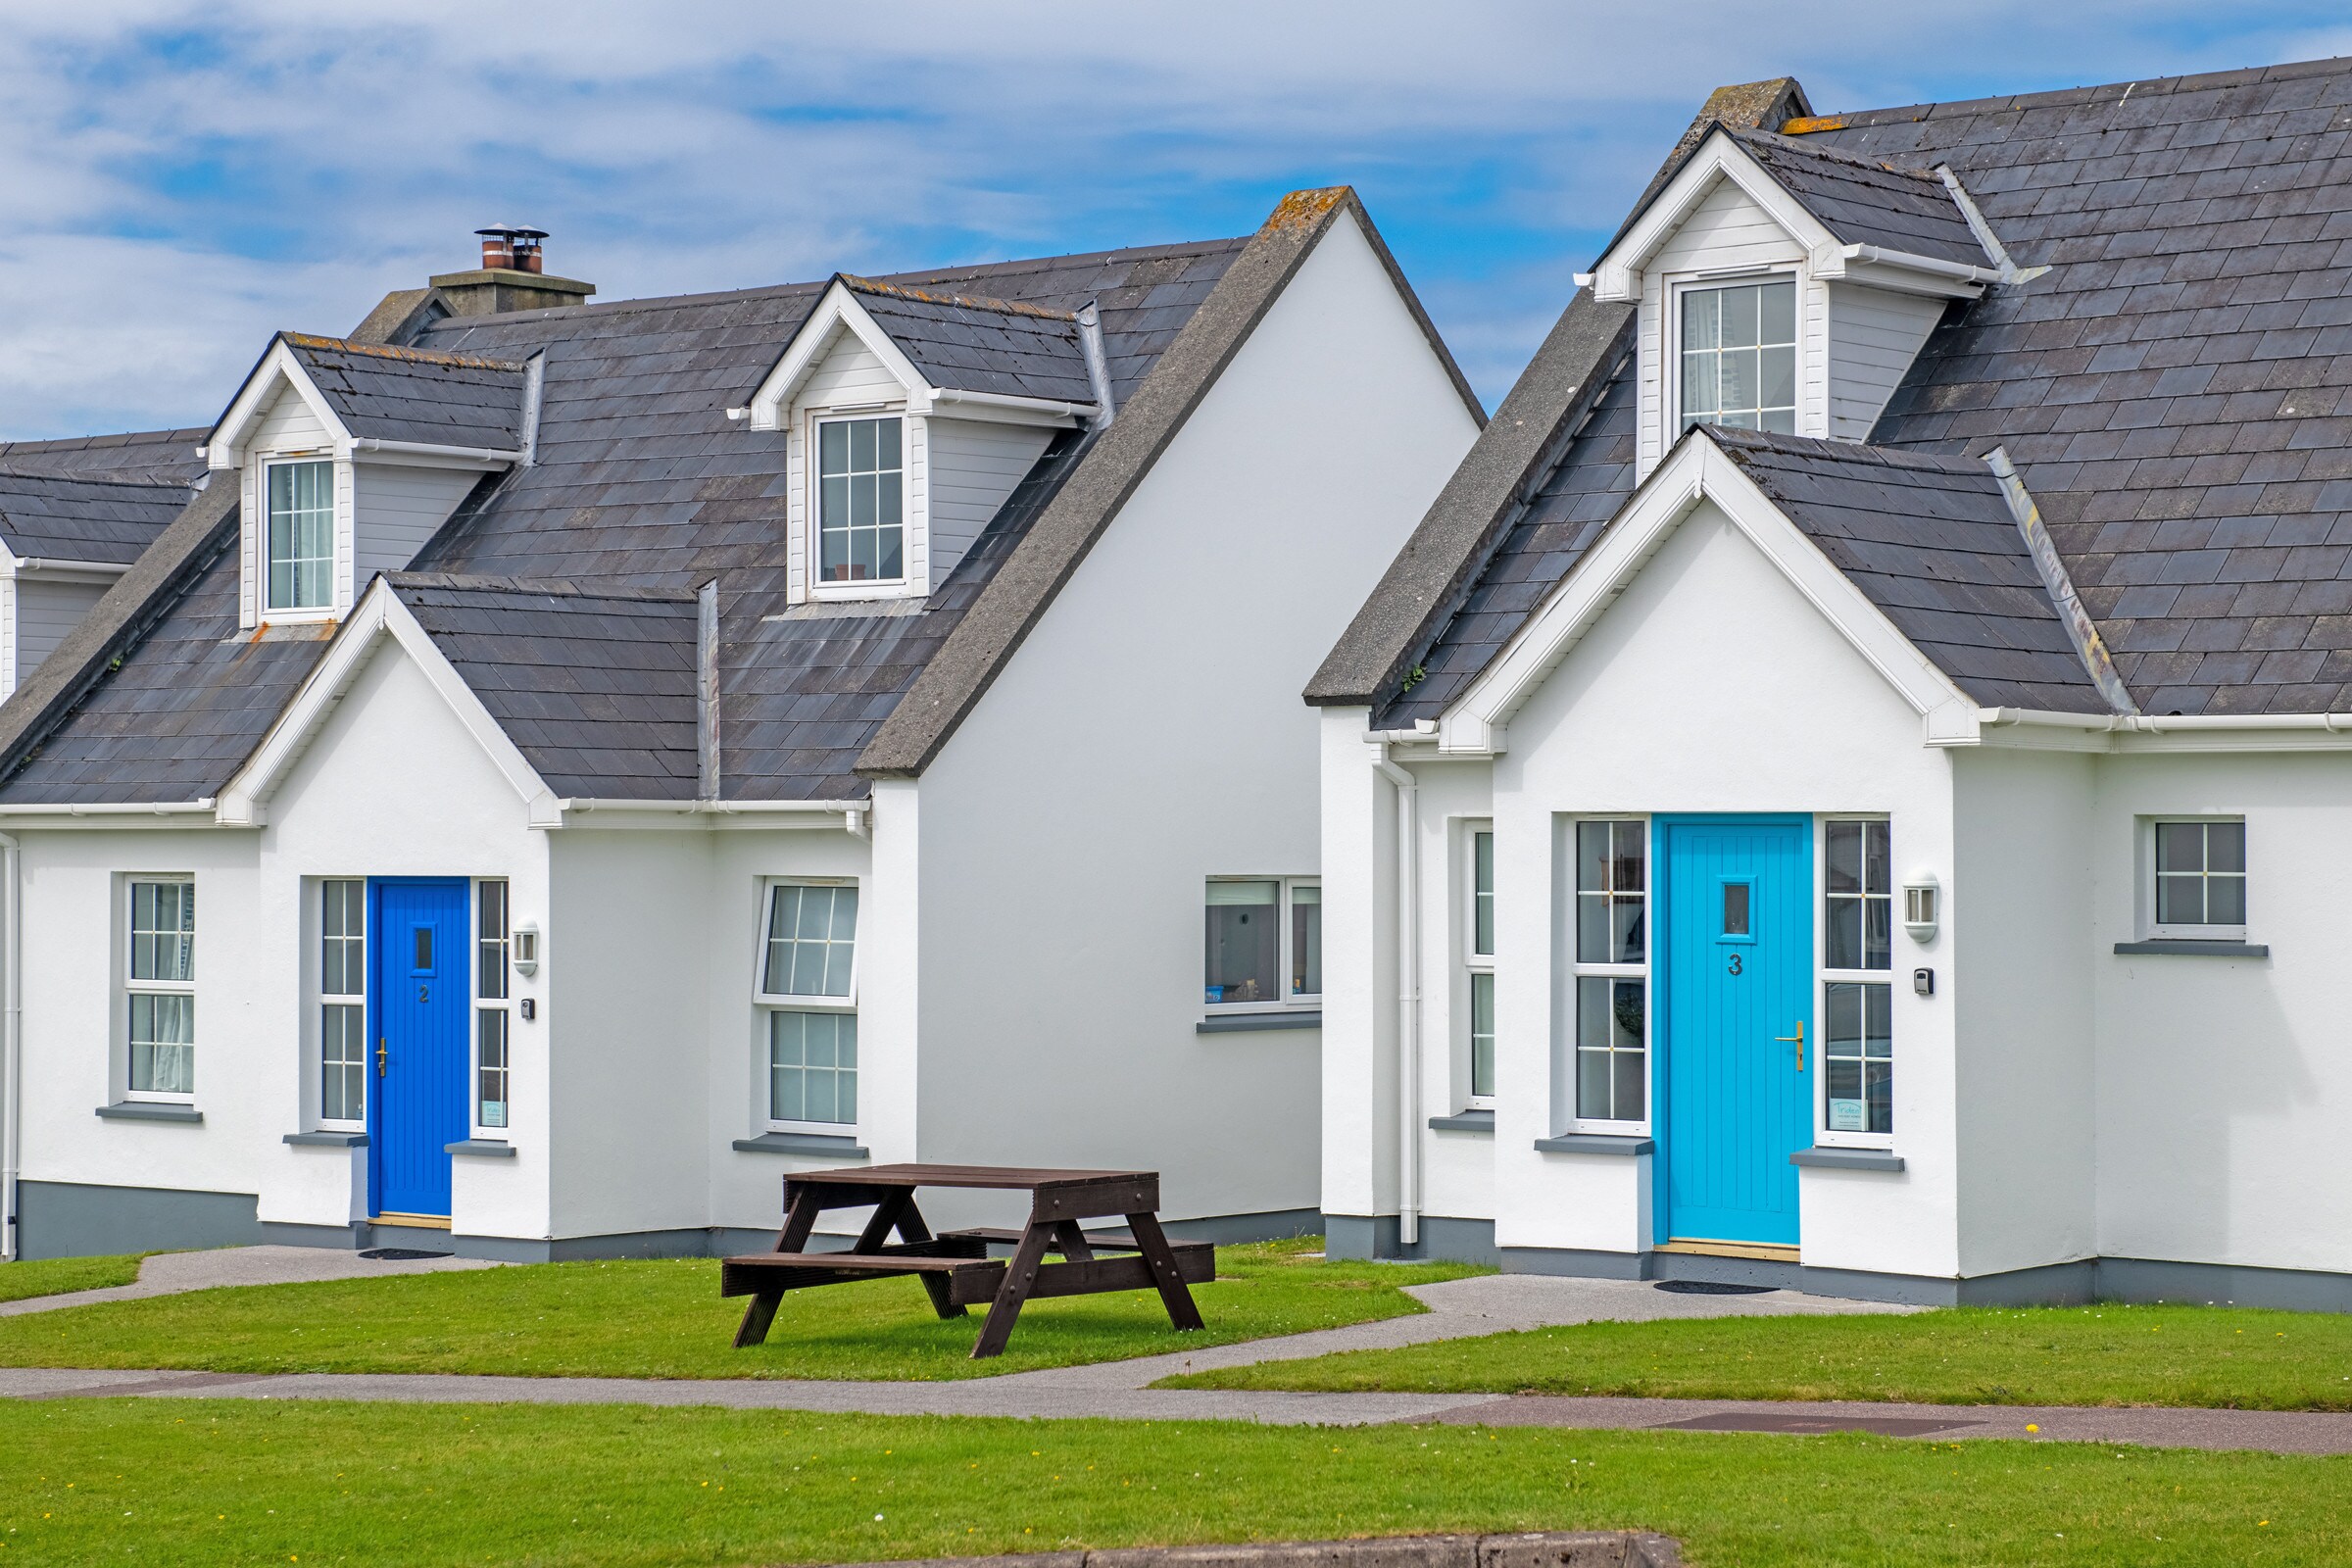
574	764
1849	785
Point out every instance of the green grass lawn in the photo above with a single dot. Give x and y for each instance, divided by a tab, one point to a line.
54	1276
665	1319
2230	1357
230	1482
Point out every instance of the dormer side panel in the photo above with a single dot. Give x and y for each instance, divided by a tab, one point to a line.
398	507
1875	333
975	465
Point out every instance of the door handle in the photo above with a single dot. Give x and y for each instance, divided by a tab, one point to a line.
1799	1041
381	1057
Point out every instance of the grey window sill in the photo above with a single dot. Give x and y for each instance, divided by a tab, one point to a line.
1465	1121
485	1148
327	1140
824	1144
1234	1023
2209	949
1848	1159
1594	1144
143	1110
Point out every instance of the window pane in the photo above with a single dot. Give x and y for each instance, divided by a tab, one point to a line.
1844	857
1306	941
1482	893
163	931
2226	901
1735	910
2179	845
1857	1057
833	443
1628	941
492	939
491	1057
1877	876
2224	847
1243	942
861	501
2180	900
301	534
1628	857
1777	305
1591	856
1482	1034
343	1058
812	1067
162	1051
1858	920
1739	355
811	941
421	938
1611	857
1611	1059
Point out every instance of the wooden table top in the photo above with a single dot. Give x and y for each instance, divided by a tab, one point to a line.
1013	1177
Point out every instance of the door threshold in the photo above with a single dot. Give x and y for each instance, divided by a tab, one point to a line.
422	1222
1758	1252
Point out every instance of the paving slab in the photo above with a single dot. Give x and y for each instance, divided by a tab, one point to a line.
172	1273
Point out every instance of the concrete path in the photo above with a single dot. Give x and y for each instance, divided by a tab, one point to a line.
170	1273
1120	1391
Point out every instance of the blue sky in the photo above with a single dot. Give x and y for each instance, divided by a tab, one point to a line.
182	179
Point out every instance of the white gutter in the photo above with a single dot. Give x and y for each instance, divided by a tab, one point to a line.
1408	996
11	1054
1912	261
110	809
428	449
94	568
1006	400
858	812
2170	723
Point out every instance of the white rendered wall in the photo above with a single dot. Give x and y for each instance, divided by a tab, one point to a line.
2224	1085
1874	335
974	467
398	507
2019	902
1712	685
1359	971
393	786
1148	735
1458	1169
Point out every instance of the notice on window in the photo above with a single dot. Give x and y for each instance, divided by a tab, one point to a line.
1845	1117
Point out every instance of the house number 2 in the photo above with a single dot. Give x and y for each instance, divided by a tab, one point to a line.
424	993
1735	963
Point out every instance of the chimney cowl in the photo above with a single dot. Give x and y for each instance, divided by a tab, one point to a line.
509	247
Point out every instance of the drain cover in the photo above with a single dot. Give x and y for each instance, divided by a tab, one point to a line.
1711	1288
398	1254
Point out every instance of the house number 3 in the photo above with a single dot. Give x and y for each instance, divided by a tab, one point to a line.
1735	963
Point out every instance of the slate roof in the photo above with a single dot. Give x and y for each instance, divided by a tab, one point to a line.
643	485
160	457
43	516
981	345
2176	390
596	688
1900	207
387	393
1932	542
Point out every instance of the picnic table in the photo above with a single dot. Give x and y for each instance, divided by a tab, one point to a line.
955	1269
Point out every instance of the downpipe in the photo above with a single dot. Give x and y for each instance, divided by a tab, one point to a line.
11	1054
1408	998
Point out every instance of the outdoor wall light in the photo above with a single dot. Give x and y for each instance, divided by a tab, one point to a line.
1919	905
525	953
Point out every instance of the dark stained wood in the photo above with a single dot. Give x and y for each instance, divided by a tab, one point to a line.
955	1269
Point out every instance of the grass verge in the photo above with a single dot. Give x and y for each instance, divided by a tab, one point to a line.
21	1280
218	1481
2223	1357
665	1319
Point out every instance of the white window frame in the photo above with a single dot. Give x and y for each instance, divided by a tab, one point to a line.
321	998
1823	977
336	484
1474	963
503	1005
129	987
1670	336
766	1003
2179	932
1301	1001
814	510
1644	971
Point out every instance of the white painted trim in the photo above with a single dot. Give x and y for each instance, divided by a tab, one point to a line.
244	802
278	366
1696	471
838	310
1617	275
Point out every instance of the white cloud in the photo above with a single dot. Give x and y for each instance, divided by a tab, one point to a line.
182	179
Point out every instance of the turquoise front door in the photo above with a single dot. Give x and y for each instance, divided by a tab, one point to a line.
417	1004
1737	982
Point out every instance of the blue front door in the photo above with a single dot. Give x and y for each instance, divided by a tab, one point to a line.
418	981
1735	1026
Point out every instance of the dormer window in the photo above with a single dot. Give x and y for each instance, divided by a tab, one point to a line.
862	499
301	571
1739	357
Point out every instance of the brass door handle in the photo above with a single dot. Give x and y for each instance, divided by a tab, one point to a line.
381	1057
1798	1040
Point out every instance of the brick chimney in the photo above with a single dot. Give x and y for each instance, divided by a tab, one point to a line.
511	276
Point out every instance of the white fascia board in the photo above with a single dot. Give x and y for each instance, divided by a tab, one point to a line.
278	366
1617	275
838	309
245	801
712	815
1696	471
2026	729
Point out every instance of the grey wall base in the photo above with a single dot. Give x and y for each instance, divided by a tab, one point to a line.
2077	1283
65	1219
68	1219
1442	1238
